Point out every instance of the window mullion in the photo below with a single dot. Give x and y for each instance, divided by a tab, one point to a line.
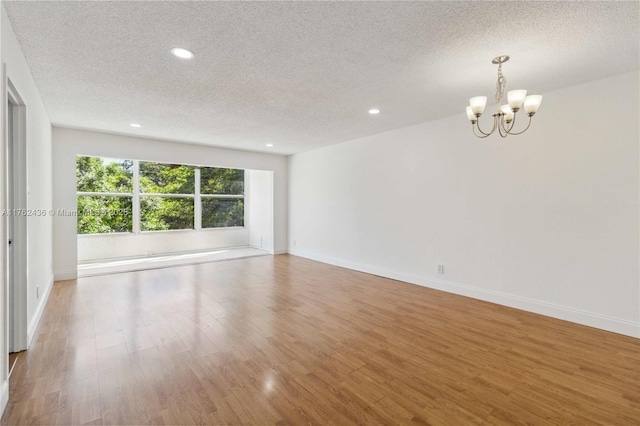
105	194
222	196
155	194
136	197
197	207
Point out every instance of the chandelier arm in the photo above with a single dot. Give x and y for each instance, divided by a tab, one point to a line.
525	129
492	130
484	135
501	129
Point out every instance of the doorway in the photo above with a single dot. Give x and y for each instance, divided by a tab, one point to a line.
17	216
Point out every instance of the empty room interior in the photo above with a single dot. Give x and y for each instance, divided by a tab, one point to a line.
320	213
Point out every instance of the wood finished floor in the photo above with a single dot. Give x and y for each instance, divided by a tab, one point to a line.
285	340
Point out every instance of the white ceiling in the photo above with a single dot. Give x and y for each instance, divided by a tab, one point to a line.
304	74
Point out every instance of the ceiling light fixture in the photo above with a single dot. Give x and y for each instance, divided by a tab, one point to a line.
136	125
374	111
182	53
269	145
504	118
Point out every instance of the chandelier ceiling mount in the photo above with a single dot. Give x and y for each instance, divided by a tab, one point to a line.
500	59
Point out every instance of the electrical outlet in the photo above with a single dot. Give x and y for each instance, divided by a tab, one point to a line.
441	269
294	243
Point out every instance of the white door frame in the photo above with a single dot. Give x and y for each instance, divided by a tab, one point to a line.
16	145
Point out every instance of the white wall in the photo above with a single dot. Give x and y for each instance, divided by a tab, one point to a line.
260	206
38	135
67	143
546	221
105	246
4	334
39	229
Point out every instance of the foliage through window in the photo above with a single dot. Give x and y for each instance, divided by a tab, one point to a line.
158	178
163	197
218	213
104	214
105	193
164	213
158	213
221	181
222	192
105	175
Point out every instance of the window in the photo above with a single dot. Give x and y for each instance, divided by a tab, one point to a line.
105	195
135	196
222	197
167	193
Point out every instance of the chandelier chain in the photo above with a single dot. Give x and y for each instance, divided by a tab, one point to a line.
501	84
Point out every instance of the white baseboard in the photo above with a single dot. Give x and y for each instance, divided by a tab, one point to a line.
276	251
314	256
5	396
280	251
33	324
604	322
68	275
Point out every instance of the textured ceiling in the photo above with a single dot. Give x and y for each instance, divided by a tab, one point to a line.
304	74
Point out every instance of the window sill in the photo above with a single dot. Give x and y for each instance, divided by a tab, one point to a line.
165	231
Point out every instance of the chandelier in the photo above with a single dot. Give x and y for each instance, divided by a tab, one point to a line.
504	119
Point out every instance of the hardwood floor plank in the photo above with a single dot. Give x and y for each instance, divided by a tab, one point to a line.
285	340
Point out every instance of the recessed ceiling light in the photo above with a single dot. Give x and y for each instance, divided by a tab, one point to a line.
136	125
269	145
374	111
181	53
